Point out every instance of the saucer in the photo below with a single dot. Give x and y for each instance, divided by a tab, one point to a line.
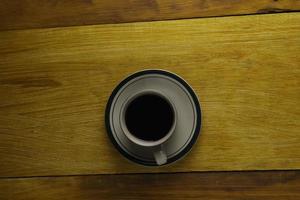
186	104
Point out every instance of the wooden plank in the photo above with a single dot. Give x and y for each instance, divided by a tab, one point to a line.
26	14
218	185
55	84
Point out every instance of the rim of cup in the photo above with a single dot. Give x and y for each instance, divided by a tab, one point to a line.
137	140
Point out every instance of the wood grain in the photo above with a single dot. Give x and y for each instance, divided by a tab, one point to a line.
218	185
26	14
54	85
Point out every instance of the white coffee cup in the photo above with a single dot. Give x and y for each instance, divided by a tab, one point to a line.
159	110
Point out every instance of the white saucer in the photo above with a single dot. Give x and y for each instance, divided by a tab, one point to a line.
185	101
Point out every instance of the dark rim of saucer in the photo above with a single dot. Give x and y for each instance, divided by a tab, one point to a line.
190	91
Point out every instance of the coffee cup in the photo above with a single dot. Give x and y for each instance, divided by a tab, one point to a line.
148	119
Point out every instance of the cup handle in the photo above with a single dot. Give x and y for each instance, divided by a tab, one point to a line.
160	157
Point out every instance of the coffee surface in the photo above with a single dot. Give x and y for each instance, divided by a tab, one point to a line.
149	117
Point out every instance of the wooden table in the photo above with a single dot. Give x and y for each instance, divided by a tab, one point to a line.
60	60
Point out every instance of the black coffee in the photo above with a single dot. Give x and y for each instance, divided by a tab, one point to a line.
149	117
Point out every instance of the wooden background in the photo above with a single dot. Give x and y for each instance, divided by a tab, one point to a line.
55	81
